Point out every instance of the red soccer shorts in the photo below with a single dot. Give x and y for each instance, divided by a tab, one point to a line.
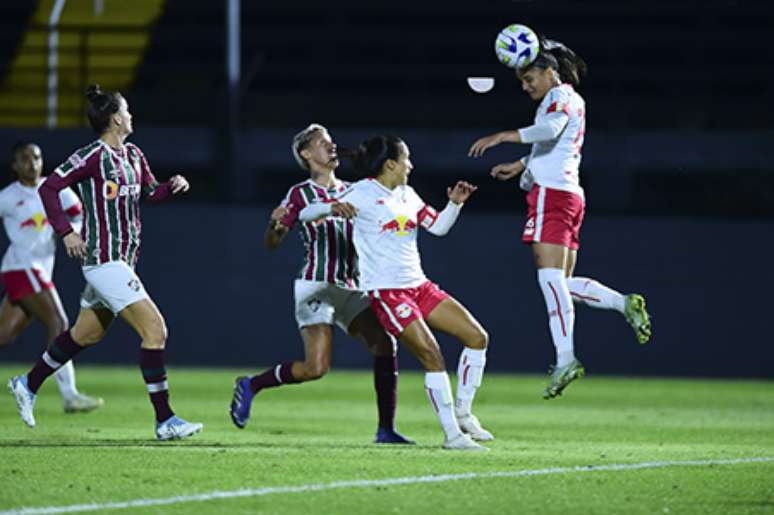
20	283
396	309
553	216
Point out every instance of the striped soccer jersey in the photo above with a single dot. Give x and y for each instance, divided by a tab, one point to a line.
32	243
329	250
110	182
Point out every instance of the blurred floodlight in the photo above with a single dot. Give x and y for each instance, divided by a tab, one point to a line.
481	84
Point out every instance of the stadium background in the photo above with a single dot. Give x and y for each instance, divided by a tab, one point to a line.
677	164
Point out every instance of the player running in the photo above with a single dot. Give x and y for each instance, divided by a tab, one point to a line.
387	214
111	176
325	290
556	204
28	265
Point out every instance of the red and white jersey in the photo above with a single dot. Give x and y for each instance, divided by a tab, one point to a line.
386	234
32	243
555	163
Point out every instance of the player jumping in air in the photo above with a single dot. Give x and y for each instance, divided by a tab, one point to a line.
111	176
28	265
387	214
326	290
556	204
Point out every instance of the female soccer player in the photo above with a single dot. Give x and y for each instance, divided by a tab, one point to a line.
387	214
325	290
111	176
556	203
28	265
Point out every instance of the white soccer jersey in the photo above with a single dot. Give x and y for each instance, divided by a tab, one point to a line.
32	243
385	234
555	160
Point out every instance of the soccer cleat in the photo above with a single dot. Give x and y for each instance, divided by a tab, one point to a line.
241	402
561	377
471	426
637	316
25	399
391	436
463	442
175	428
80	403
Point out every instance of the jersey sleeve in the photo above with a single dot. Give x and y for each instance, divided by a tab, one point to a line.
75	169
153	190
295	202
552	121
72	208
5	207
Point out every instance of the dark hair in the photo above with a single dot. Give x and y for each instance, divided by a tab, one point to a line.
102	106
561	58
369	157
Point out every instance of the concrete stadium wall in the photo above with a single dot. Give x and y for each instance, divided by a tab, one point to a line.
228	301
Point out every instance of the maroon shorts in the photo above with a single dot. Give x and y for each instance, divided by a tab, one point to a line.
396	309
20	283
553	216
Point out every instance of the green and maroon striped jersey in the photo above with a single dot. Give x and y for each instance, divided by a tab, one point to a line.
110	183
329	250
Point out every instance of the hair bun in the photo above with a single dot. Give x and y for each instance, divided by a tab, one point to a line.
93	92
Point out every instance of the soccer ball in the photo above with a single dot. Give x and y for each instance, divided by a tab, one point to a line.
517	46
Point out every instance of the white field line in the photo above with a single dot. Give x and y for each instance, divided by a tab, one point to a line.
366	483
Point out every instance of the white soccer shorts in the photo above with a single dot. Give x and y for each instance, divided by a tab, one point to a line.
113	285
319	302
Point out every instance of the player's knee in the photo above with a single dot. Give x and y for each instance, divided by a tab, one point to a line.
55	326
314	371
381	345
479	339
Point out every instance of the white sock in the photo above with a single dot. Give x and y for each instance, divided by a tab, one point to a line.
439	392
470	372
561	313
65	378
592	293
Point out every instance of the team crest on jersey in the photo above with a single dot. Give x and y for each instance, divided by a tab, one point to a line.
401	225
403	310
529	228
76	161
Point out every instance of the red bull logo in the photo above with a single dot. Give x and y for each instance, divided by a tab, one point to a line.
401	225
38	221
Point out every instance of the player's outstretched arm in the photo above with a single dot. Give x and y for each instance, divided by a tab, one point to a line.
276	231
481	145
317	210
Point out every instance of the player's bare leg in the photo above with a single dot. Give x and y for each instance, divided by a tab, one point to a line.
366	328
596	295
13	320
552	262
418	338
454	319
146	319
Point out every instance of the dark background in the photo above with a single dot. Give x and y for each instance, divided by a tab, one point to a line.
677	168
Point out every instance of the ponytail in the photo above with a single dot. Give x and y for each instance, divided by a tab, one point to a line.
569	65
369	157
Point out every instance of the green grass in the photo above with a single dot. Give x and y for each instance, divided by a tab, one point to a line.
321	433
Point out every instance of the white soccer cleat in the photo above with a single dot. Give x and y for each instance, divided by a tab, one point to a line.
471	426
463	442
175	428
25	399
80	403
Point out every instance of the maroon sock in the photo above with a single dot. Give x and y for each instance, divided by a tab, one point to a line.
275	376
386	385
61	350
155	375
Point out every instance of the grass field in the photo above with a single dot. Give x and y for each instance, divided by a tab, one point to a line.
302	440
